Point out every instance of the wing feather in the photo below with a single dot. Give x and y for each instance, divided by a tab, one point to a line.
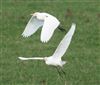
50	24
64	44
32	26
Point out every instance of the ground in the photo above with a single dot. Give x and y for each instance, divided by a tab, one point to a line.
83	54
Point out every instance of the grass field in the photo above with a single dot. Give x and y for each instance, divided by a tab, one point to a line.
83	55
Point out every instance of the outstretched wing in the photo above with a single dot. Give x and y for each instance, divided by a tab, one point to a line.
32	26
64	44
50	24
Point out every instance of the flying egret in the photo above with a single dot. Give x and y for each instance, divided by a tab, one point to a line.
49	23
55	59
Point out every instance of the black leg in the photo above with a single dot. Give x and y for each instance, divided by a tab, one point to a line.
59	72
63	72
62	29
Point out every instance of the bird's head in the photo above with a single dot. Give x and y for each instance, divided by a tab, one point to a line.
35	14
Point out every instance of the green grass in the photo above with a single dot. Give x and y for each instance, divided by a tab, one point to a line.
83	55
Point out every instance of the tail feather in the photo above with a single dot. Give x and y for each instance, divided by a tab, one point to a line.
64	62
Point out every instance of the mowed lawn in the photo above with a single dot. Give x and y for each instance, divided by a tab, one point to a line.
83	54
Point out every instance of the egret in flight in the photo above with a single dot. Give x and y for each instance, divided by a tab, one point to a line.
48	23
55	59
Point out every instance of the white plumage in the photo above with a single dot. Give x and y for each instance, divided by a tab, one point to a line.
55	59
49	23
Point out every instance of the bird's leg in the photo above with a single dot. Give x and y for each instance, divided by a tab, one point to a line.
62	29
63	72
59	73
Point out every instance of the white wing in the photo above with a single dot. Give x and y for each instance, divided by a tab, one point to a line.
64	44
50	24
32	26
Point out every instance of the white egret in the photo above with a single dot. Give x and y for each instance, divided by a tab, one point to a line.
55	59
49	23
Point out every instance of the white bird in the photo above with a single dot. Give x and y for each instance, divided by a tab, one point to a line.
55	59
49	23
